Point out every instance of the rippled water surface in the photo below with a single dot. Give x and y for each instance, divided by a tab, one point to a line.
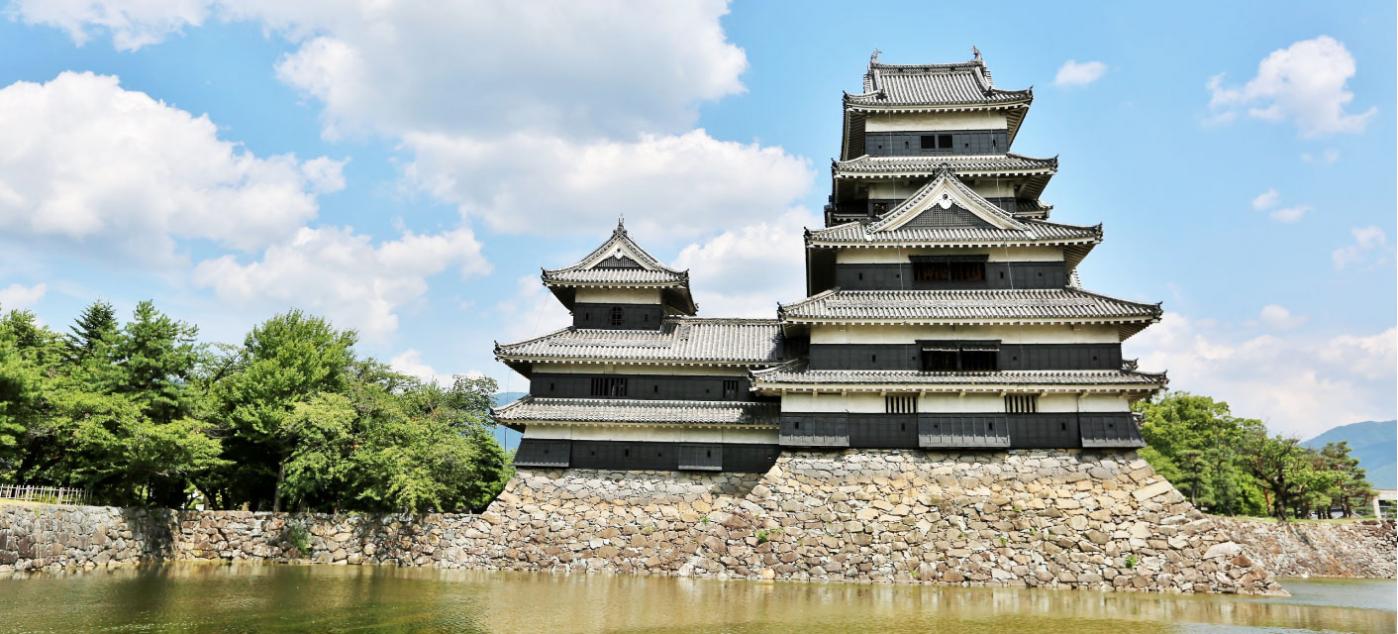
353	599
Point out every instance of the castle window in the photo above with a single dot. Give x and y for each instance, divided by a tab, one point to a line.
944	141
730	389
929	142
1022	404
618	317
609	386
960	356
900	404
948	271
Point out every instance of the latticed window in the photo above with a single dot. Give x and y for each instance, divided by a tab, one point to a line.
948	271
900	404
730	389
609	386
618	317
1021	403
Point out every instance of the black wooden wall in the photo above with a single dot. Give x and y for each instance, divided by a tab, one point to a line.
633	316
1012	356
642	386
1050	430
637	455
911	143
998	275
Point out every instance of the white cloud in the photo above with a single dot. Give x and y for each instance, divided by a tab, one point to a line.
342	275
666	186
481	66
744	272
1328	156
1280	318
410	362
1370	243
1305	83
1266	200
1075	73
1290	214
1299	386
18	296
532	311
131	24
87	162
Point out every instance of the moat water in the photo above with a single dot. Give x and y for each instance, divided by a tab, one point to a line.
271	598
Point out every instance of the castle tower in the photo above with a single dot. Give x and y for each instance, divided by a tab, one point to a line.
944	312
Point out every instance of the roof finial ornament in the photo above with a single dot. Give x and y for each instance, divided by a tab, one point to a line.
975	52
621	223
874	57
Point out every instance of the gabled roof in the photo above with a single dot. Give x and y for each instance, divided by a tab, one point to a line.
921	87
795	377
959	307
945	191
534	411
680	341
621	263
945	212
1033	172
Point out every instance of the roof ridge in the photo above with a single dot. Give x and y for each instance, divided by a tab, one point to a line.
944	176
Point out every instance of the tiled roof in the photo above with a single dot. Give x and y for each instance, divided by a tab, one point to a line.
532	409
961	306
794	375
619	261
965	83
681	340
857	234
994	227
1008	164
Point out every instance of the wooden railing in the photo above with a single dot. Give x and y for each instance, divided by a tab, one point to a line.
47	495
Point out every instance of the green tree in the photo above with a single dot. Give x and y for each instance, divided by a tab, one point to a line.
285	360
1194	442
94	328
1352	488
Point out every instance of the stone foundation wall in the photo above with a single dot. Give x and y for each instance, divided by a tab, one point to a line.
1044	518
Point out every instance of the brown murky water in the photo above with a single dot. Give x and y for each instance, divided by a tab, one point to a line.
193	598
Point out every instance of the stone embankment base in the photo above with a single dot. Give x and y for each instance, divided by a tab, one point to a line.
1059	519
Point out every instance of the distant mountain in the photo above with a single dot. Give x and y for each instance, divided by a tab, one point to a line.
508	438
1374	443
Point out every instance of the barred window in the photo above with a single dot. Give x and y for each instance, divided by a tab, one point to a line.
618	318
1022	403
609	386
900	404
730	389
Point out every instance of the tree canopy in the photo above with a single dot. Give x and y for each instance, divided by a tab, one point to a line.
1232	466
143	413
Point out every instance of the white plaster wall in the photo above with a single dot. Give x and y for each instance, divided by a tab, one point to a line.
618	295
896	256
652	434
917	121
822	333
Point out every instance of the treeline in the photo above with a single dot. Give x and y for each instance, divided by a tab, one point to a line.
1231	466
142	413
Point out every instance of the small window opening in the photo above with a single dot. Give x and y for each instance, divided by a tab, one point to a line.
618	317
730	388
1023	404
900	404
609	386
944	141
929	142
948	271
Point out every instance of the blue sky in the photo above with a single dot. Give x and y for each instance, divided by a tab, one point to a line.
405	169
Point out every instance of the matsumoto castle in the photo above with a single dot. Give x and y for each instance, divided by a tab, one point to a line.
944	312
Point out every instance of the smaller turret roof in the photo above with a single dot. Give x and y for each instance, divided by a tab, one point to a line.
962	83
621	263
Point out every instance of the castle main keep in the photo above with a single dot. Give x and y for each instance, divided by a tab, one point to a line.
944	313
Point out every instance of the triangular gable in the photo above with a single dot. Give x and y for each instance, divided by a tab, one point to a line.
620	252
943	202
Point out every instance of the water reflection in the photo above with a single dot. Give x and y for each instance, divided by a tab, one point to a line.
320	599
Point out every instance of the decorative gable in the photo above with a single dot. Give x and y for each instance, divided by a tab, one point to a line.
946	202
